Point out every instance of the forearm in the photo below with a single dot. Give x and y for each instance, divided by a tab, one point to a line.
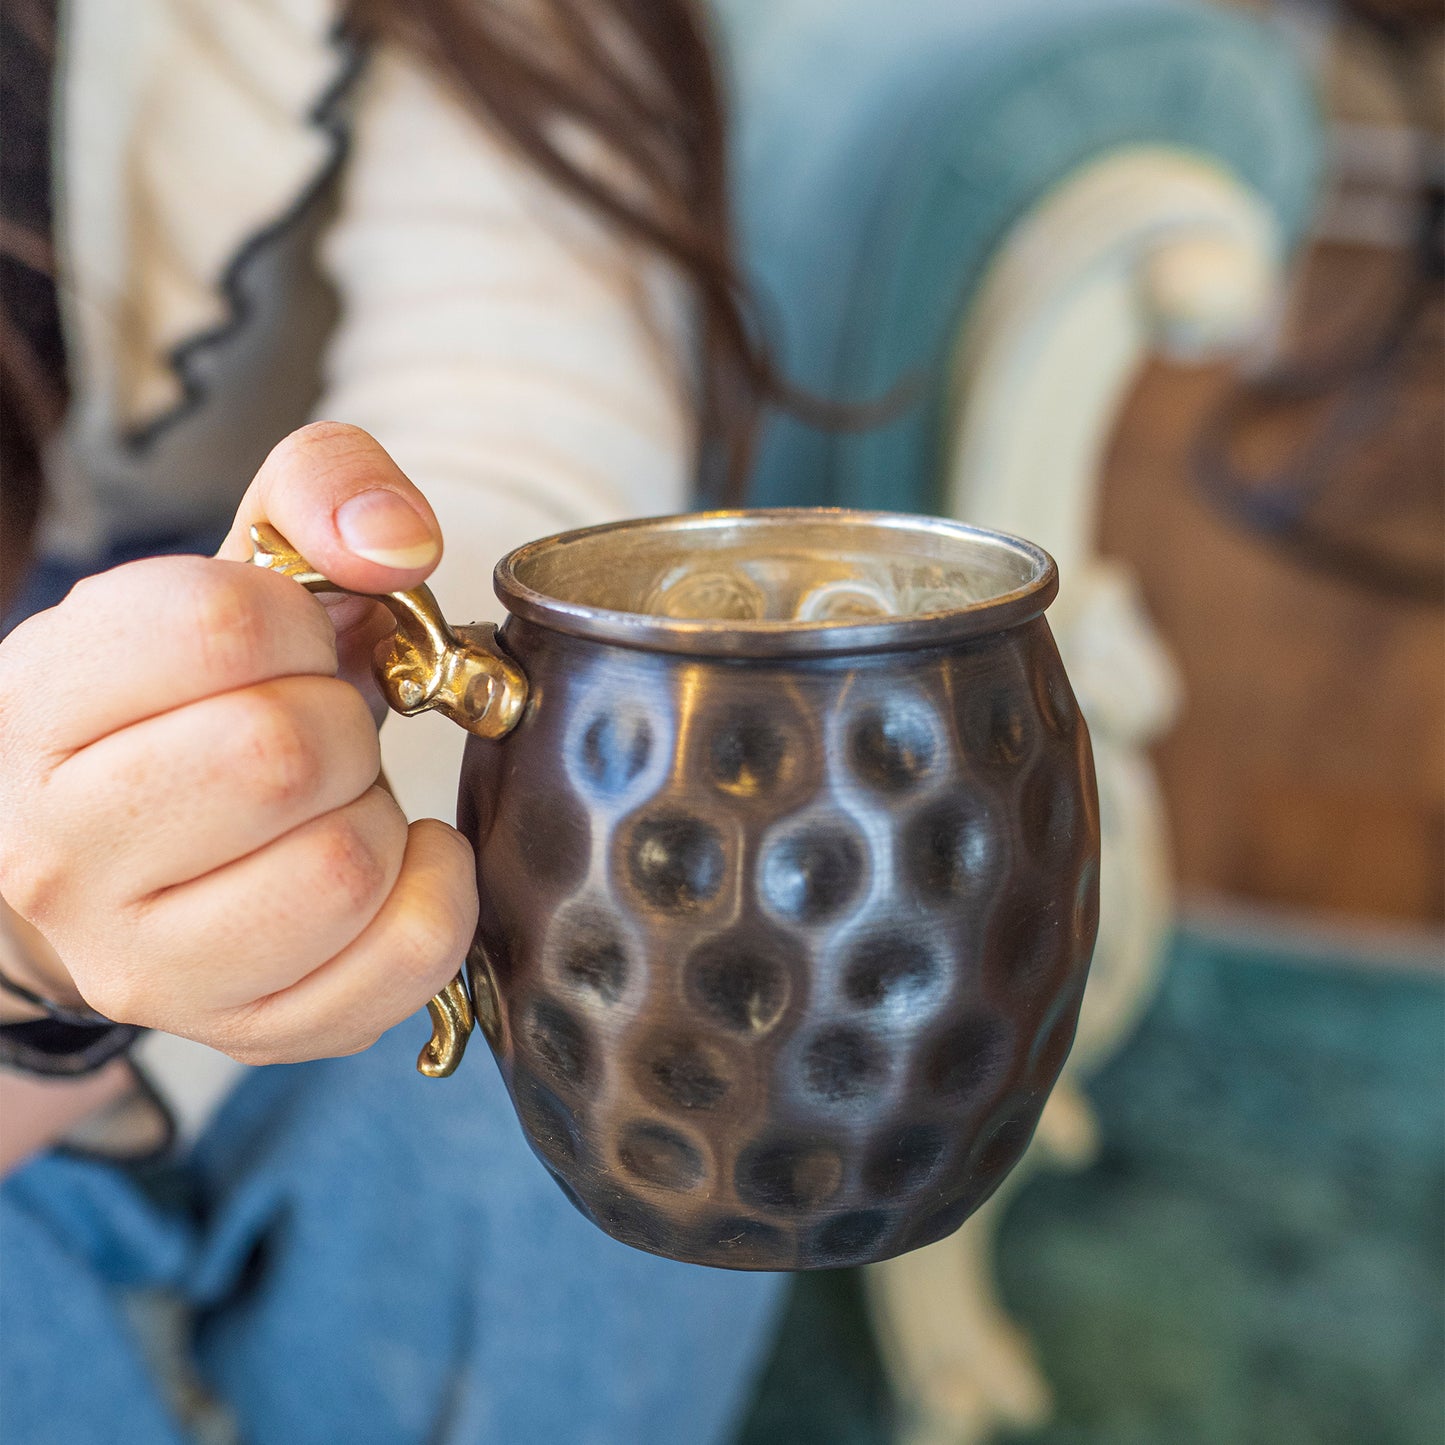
37	1112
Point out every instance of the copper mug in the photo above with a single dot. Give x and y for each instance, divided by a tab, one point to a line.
787	850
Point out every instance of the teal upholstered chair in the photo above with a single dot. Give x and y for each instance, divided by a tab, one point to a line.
886	148
1011	203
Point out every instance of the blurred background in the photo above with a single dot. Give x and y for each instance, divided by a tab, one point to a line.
1183	264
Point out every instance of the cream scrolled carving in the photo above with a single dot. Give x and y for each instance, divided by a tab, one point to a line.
1146	250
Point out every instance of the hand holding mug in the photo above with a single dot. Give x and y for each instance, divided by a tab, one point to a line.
786	841
787	862
189	780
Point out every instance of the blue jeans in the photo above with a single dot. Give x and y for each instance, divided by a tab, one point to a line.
365	1256
369	1256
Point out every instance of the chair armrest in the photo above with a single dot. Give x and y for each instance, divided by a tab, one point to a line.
1146	248
884	152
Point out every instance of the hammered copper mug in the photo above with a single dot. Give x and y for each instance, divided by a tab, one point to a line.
787	849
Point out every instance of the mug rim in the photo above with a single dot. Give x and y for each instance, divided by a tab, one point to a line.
775	638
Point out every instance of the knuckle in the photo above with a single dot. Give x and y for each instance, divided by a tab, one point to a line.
322	431
254	1052
353	867
282	760
346	741
353	1039
318	440
230	620
245	1035
313	450
116	994
351	712
430	944
355	1046
236	1044
97	589
31	882
251	1036
26	672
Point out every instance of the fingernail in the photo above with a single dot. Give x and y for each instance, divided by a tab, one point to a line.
384	527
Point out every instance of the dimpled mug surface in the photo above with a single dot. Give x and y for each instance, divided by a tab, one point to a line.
788	875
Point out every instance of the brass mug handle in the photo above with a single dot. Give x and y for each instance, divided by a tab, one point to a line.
462	674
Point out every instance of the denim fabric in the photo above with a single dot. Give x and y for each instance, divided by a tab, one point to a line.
370	1257
365	1256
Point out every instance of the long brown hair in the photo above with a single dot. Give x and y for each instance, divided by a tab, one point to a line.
32	363
638	76
635	75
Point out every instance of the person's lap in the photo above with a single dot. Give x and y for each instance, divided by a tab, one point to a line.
371	1256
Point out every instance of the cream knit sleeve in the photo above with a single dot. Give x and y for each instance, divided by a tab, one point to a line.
522	363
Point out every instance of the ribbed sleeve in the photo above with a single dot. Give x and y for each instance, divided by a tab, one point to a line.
522	363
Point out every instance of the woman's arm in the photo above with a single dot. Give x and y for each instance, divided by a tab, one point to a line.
521	362
35	1112
519	359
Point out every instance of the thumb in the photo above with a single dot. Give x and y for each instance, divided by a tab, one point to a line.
340	500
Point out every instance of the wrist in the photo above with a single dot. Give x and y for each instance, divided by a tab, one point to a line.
37	1112
40	1034
28	960
46	1027
17	1010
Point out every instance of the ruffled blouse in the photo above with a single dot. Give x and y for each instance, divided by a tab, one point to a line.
258	225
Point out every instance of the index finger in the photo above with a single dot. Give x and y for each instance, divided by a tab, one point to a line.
151	636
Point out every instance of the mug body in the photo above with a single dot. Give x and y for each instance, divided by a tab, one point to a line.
784	932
